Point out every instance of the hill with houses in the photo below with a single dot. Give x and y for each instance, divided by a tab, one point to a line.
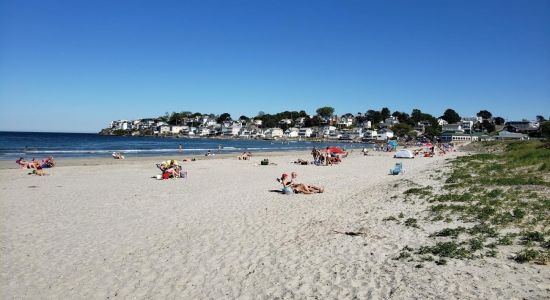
369	126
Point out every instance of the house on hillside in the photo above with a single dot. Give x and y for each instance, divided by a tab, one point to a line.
345	120
522	126
370	135
305	132
507	135
273	133
384	134
291	133
177	129
389	122
458	136
232	130
164	129
452	128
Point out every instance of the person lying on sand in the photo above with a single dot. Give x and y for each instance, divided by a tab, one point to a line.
290	186
118	155
23	164
245	156
48	162
300	161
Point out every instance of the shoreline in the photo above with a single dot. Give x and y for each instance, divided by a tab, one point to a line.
80	161
95	161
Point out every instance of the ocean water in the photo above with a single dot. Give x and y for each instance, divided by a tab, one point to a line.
80	145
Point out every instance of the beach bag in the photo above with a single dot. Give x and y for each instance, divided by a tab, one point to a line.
166	175
265	162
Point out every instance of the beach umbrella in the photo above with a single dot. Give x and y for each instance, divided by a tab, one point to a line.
336	150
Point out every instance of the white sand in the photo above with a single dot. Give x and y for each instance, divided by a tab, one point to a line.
110	230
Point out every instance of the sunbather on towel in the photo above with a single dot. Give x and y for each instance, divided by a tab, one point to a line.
290	186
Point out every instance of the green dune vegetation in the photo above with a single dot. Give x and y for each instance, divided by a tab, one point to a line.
496	201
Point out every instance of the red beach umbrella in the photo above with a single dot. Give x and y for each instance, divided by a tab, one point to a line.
336	150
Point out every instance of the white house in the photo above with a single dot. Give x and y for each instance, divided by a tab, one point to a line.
327	130
207	121
177	129
345	121
370	135
232	130
389	122
474	120
467	126
452	127
334	135
367	124
274	133
257	122
441	122
204	131
163	129
507	135
245	132
384	134
305	132
285	122
300	121
292	132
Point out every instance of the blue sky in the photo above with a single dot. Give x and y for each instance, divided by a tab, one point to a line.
73	66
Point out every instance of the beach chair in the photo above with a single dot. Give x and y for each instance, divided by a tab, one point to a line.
398	168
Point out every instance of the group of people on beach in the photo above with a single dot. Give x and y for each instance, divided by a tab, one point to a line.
170	169
327	157
245	156
37	166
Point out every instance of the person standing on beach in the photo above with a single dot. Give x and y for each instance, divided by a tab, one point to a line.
220	148
180	148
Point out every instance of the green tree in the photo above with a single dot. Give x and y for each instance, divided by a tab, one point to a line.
541	119
499	121
545	130
490	127
244	118
403	117
325	111
374	116
165	118
432	131
417	115
315	121
385	113
451	116
120	132
224	117
402	129
484	114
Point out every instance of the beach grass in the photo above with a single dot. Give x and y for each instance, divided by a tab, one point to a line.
501	196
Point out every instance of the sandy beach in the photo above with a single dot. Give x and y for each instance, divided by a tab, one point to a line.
103	229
